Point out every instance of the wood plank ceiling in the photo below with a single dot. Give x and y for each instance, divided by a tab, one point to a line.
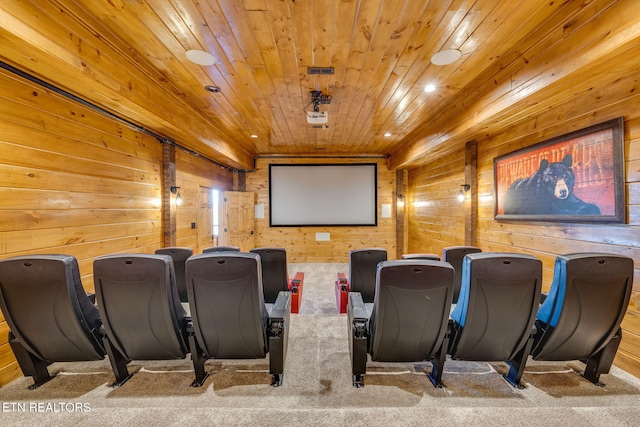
129	57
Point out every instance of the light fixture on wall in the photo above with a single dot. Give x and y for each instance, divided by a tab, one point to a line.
400	200
462	194
176	190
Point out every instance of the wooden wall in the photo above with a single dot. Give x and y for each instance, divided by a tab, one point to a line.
77	182
432	191
300	242
193	173
441	222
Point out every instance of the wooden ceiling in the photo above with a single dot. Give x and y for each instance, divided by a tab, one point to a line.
519	58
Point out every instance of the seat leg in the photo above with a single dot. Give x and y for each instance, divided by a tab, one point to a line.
30	365
198	359
517	364
358	352
277	335
437	363
601	362
357	380
118	363
276	380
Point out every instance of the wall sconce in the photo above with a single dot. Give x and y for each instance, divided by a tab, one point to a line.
400	200
462	194
176	191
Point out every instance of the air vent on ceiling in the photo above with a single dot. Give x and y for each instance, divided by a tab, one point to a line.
320	70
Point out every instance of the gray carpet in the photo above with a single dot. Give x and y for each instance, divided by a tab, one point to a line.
317	387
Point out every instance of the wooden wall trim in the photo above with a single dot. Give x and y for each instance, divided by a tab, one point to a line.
402	230
471	206
169	209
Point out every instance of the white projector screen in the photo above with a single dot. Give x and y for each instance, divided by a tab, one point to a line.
323	195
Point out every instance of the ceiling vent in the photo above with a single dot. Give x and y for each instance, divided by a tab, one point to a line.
320	70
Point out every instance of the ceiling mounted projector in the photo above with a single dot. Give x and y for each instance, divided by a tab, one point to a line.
317	117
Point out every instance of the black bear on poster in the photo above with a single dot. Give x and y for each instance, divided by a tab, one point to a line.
549	191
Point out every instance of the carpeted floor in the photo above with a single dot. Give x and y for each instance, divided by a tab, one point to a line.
317	387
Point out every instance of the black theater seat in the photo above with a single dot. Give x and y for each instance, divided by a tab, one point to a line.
454	256
140	308
406	321
50	317
275	277
221	249
179	256
432	257
230	317
362	276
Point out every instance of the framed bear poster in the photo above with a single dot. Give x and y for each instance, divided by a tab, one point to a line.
577	177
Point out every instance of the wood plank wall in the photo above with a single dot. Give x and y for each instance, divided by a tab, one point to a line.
77	182
435	217
440	222
300	242
192	174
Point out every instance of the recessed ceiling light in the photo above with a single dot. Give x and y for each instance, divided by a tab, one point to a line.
200	57
253	135
388	134
430	88
212	88
446	57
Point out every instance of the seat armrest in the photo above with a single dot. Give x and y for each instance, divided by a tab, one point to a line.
356	309
282	307
342	290
297	282
358	325
342	281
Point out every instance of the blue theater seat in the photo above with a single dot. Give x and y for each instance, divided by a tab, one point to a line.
580	318
494	317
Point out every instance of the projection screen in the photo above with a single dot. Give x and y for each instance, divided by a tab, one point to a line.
323	195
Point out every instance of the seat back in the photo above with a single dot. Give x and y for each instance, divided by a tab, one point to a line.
221	249
588	298
454	256
432	257
275	277
363	265
227	304
140	306
498	302
411	310
48	310
179	256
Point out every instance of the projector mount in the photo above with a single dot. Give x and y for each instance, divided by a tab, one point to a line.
317	98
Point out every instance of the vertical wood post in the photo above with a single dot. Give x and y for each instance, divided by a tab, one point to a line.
402	230
239	181
169	210
471	206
